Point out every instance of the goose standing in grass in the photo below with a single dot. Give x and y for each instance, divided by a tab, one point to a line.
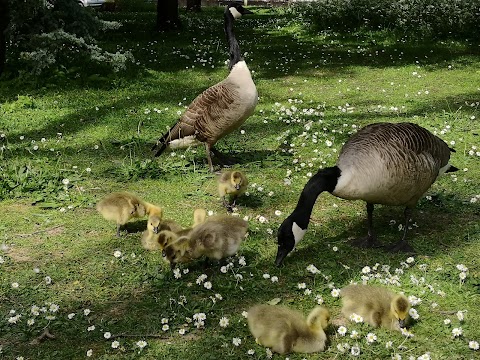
220	109
383	163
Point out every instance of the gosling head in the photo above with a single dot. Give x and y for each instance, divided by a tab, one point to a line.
166	237
237	180
318	318
176	252
399	308
237	10
154	224
289	234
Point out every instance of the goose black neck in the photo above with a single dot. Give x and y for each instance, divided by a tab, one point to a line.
234	48
323	180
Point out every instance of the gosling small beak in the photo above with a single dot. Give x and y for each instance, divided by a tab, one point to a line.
163	253
402	323
237	186
281	254
155	229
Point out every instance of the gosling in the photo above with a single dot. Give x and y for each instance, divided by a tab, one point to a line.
123	206
216	238
285	330
233	184
378	306
171	234
151	237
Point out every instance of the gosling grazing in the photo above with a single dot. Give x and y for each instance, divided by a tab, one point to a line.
218	237
170	234
285	330
220	109
123	206
383	163
232	183
378	306
151	237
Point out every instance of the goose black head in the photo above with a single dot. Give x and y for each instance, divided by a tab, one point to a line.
289	234
237	10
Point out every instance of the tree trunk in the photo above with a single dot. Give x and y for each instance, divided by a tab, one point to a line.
167	15
4	20
194	5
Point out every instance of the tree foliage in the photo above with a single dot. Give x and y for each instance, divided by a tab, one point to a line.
57	34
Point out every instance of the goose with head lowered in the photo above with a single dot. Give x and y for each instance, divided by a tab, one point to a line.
383	163
221	108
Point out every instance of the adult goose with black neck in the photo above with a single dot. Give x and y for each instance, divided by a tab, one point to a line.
383	163
221	108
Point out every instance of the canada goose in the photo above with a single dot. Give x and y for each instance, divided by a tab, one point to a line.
383	163
123	206
151	237
285	330
216	238
232	183
377	306
220	109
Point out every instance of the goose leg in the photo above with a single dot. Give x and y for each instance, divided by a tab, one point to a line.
371	239
224	160
209	156
402	245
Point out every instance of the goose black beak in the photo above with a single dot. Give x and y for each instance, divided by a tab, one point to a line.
281	254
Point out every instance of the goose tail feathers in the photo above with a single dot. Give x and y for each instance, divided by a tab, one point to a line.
163	141
452	169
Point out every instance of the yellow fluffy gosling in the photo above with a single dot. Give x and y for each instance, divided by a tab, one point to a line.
231	183
378	306
285	330
216	238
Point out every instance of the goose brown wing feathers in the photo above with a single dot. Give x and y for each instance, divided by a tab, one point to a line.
204	118
209	112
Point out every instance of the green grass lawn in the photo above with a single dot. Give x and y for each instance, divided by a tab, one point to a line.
70	140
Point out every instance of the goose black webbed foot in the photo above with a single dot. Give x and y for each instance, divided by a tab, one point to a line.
401	246
223	159
366	242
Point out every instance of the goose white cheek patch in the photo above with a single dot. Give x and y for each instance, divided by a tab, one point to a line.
236	14
298	233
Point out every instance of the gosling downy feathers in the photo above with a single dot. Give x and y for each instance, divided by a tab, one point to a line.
220	109
378	306
217	237
169	233
383	163
285	330
232	183
121	207
151	237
